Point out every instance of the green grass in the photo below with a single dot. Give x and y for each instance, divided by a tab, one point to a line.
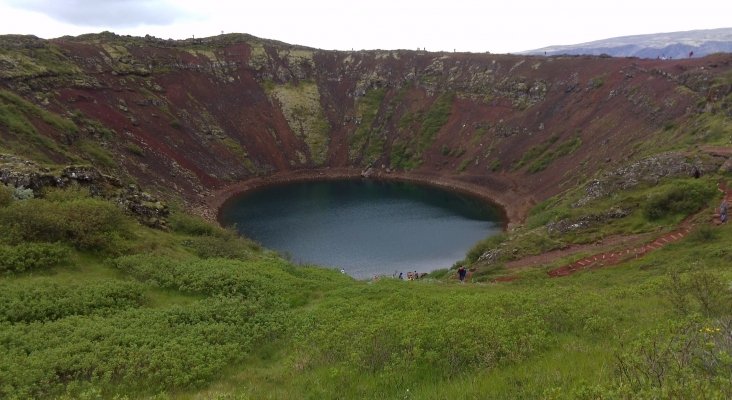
402	156
236	148
561	150
18	115
710	129
540	156
407	151
534	152
651	209
300	104
464	164
435	118
36	61
28	108
196	312
366	140
135	149
95	153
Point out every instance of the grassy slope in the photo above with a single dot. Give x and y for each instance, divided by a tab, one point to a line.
198	313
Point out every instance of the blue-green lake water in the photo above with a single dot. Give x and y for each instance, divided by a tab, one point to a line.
365	227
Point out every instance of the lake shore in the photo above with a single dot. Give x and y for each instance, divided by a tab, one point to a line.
513	204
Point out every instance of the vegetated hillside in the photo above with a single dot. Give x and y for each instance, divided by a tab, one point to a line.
97	304
191	117
670	45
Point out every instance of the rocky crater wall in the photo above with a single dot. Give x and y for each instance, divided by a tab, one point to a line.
193	118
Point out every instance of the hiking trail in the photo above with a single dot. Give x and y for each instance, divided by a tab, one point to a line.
613	256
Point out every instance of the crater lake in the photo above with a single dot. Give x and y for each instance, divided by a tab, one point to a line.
365	227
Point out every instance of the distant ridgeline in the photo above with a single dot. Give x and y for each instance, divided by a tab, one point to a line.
674	45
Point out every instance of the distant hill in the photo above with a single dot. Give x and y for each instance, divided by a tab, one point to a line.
657	45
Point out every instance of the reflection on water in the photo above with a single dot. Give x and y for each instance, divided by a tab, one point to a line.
365	227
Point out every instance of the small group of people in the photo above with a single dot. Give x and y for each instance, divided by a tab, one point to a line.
410	275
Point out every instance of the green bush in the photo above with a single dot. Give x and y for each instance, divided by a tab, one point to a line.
698	291
6	195
59	195
214	276
193	225
221	247
402	156
422	329
31	256
22	193
682	198
178	348
690	360
484	245
46	300
704	234
435	119
89	224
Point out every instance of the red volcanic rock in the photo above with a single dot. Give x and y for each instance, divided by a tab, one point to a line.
194	117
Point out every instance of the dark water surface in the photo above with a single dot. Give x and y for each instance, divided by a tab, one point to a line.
365	227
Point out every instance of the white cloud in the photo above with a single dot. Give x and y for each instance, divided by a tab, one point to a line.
105	13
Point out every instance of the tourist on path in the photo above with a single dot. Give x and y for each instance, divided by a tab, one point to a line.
461	273
723	211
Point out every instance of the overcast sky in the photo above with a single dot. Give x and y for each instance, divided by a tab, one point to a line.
463	25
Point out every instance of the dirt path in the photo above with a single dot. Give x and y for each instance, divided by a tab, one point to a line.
626	251
615	257
722	151
605	245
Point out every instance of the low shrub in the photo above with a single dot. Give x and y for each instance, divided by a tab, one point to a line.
689	360
214	276
58	195
46	300
178	348
221	247
88	224
6	195
698	291
421	329
484	245
31	256
23	193
196	226
682	198
704	234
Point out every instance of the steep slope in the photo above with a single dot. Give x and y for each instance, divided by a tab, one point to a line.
194	117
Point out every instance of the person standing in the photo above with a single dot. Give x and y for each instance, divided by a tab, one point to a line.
723	211
461	273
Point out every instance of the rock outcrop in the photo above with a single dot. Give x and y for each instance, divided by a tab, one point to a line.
23	174
649	171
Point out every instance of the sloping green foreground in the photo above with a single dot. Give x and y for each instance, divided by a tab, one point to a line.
97	306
